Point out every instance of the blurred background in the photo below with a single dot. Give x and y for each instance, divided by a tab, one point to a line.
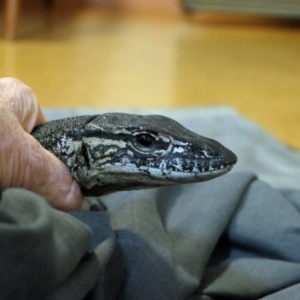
159	54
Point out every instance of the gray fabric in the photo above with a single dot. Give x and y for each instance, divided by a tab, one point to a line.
43	251
235	237
231	238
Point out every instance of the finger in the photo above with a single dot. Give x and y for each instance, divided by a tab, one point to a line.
57	184
32	167
23	161
21	101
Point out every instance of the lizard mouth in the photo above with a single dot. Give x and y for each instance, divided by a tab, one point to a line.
152	177
178	176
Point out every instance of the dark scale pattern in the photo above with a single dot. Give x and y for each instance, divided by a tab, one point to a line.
51	133
112	152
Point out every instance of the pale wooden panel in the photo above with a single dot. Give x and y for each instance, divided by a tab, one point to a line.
11	10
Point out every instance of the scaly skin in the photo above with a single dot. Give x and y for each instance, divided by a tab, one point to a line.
115	151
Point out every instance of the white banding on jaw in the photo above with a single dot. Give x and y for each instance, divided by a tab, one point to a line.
99	151
112	172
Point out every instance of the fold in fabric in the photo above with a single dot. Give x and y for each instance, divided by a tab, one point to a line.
234	237
43	251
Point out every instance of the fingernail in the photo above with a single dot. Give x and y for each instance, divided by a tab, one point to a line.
85	205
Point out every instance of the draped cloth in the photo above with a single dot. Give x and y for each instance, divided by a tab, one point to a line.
234	237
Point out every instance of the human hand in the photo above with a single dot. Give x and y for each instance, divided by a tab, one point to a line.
23	161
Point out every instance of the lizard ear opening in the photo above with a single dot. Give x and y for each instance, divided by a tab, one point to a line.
85	155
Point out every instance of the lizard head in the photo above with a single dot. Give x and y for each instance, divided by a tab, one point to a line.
124	152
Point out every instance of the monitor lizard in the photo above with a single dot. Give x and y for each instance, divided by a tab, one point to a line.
115	151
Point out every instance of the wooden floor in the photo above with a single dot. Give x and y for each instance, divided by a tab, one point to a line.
88	57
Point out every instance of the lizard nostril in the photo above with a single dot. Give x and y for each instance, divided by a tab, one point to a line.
208	153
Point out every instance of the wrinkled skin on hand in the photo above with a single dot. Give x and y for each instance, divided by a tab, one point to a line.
23	161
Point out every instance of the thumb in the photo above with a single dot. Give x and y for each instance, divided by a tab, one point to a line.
28	165
23	161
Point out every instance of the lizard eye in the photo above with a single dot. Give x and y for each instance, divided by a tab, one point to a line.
145	140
